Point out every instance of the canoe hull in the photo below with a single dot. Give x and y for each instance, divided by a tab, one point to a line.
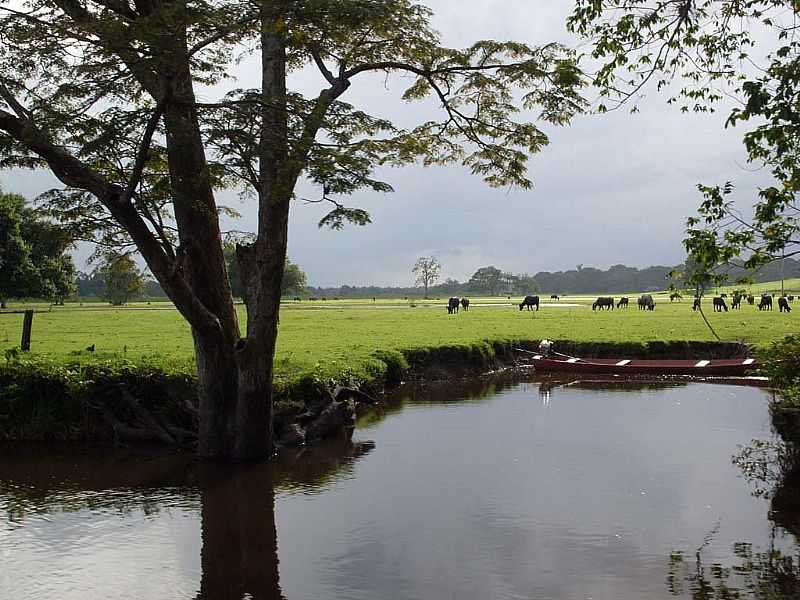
701	368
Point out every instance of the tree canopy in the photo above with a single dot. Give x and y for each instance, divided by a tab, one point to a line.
104	93
122	278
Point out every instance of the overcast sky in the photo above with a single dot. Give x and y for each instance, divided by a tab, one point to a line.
613	188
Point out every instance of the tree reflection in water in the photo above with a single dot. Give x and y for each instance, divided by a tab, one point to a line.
773	469
239	552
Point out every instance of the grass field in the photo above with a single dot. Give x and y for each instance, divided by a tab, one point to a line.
335	337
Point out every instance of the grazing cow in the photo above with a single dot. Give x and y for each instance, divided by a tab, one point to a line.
530	302
623	302
646	302
696	303
452	305
554	297
603	301
737	301
675	296
791	298
751	299
297	298
723	295
465	303
783	304
719	304
766	302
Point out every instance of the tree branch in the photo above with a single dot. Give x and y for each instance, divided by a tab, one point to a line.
76	174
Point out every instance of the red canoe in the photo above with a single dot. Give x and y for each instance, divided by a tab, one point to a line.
623	366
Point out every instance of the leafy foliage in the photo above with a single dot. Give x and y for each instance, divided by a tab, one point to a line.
33	259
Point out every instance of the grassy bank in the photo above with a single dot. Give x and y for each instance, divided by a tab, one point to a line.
341	338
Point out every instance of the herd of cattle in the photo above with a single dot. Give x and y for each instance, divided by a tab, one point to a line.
646	302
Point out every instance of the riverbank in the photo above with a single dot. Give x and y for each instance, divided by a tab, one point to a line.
122	401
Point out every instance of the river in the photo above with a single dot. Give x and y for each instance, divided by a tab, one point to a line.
500	489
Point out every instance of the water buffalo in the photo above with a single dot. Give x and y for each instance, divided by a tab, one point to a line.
452	305
719	304
751	299
623	302
530	302
465	303
554	297
603	301
646	302
766	302
675	296
696	303
783	304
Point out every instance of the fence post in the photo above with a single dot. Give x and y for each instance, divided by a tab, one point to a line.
27	323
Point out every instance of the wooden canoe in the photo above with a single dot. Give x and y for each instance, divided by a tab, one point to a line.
729	367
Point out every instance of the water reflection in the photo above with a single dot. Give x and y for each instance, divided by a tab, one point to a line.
474	491
238	550
772	468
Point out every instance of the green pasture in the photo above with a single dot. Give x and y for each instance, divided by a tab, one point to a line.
333	338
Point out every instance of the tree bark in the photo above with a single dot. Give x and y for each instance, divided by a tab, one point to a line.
200	261
262	264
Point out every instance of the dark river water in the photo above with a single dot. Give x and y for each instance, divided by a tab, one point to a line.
488	490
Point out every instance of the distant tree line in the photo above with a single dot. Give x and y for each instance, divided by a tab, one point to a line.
491	281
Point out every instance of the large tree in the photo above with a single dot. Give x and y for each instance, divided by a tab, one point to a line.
426	272
104	93
714	49
33	253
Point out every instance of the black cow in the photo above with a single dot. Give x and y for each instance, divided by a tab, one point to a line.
783	304
452	305
554	297
465	303
530	302
623	302
791	298
675	296
737	301
696	303
719	304
751	299
646	302
723	295
606	302
766	302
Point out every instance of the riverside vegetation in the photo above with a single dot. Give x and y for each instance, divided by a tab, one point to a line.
87	354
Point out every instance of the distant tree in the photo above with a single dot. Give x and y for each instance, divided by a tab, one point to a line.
449	286
487	280
33	258
122	278
91	285
526	284
426	270
294	280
